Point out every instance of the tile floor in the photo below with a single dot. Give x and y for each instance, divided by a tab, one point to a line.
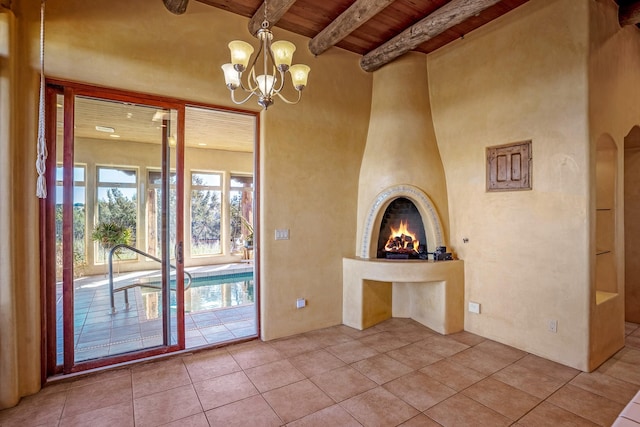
396	373
209	319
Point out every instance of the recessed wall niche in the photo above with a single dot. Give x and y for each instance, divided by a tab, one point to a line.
509	167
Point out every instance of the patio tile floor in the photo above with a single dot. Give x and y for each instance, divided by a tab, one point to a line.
100	333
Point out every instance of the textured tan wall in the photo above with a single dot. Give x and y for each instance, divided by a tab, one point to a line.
527	258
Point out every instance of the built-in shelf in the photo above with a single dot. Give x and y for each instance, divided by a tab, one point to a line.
602	296
602	251
603	209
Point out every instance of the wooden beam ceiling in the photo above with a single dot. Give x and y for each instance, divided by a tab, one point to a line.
380	30
439	21
629	14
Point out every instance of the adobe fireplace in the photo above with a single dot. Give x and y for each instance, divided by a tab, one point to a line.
402	212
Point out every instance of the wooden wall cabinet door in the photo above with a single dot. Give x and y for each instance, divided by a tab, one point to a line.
509	167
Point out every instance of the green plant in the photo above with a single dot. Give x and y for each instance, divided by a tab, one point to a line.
109	234
249	237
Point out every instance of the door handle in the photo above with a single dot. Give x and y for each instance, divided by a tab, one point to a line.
179	257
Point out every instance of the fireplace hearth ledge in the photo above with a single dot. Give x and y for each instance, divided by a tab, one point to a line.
431	293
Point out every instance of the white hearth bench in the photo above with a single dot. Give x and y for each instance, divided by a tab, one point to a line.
429	292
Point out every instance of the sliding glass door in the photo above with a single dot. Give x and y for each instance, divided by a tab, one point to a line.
149	232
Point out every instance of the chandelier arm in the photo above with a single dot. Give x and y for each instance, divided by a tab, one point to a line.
233	98
287	101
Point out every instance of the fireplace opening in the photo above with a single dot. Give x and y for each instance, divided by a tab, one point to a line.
402	234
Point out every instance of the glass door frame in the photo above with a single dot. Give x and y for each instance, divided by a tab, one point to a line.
48	268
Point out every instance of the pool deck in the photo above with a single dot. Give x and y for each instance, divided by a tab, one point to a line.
100	333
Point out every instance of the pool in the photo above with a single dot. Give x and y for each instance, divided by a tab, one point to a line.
205	293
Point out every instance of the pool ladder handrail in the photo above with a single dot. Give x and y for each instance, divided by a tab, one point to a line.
136	284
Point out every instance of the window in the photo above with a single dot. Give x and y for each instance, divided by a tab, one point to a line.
117	191
79	219
154	207
206	197
241	209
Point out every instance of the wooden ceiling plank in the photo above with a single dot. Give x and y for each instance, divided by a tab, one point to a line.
356	15
177	7
629	14
275	10
447	16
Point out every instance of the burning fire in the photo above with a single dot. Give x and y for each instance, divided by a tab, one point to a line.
402	240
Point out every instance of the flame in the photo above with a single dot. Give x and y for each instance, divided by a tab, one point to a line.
401	240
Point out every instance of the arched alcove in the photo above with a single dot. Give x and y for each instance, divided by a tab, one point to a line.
632	225
606	171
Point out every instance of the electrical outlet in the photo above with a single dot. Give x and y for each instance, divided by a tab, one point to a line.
474	307
553	326
301	303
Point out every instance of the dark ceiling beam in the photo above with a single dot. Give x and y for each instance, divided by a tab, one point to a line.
275	10
452	13
357	14
177	7
629	14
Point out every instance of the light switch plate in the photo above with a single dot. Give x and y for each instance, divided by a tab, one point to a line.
282	234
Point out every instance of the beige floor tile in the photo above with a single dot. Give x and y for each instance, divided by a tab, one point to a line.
294	346
159	376
297	400
479	360
252	411
210	364
629	355
420	420
442	346
414	355
350	352
274	375
467	338
120	415
606	386
99	376
595	408
98	395
501	351
343	383
328	336
356	333
547	367
383	342
197	420
629	328
502	398
378	407
395	324
633	340
254	353
381	368
412	333
419	390
453	375
331	416
35	410
316	362
620	369
548	415
224	389
534	383
460	410
166	406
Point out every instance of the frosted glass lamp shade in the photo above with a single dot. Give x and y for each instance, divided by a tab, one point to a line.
283	54
231	76
240	54
265	84
299	75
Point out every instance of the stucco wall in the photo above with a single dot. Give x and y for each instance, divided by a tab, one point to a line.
526	261
310	152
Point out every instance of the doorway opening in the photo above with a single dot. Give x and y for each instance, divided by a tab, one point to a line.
148	230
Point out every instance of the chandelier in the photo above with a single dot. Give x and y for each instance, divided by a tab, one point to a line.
266	83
